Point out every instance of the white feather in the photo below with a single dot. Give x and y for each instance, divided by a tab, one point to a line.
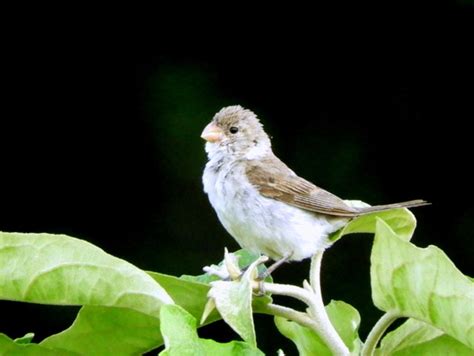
261	224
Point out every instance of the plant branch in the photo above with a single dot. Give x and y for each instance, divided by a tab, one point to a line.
287	290
376	333
317	318
318	311
315	272
288	313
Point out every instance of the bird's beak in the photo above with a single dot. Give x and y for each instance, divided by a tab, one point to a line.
212	133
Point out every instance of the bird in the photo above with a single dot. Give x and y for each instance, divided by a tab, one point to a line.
264	205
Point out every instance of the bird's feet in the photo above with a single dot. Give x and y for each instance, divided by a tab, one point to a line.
273	267
230	271
267	273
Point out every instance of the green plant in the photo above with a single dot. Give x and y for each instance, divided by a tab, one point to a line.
126	310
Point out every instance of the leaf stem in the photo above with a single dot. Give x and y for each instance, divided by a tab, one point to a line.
376	333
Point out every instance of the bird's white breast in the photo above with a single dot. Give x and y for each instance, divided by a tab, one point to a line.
263	225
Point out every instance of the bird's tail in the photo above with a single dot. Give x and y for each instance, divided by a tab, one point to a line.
405	204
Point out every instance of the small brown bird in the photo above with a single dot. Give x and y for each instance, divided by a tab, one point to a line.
262	203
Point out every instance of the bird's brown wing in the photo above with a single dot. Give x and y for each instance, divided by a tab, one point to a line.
275	180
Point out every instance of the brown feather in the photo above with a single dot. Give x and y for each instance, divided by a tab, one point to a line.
275	180
405	204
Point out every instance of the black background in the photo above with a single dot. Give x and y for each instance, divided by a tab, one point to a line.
100	126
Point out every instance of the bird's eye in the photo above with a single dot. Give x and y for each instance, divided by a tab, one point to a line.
234	130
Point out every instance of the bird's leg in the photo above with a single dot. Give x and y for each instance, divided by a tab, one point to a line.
262	276
273	267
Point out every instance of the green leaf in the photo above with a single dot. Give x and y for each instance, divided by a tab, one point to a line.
418	338
344	318
204	278
8	347
108	331
234	301
421	283
179	332
25	339
306	340
402	221
246	258
259	303
190	295
130	331
58	269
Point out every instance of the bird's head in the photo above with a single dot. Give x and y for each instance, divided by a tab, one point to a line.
238	131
